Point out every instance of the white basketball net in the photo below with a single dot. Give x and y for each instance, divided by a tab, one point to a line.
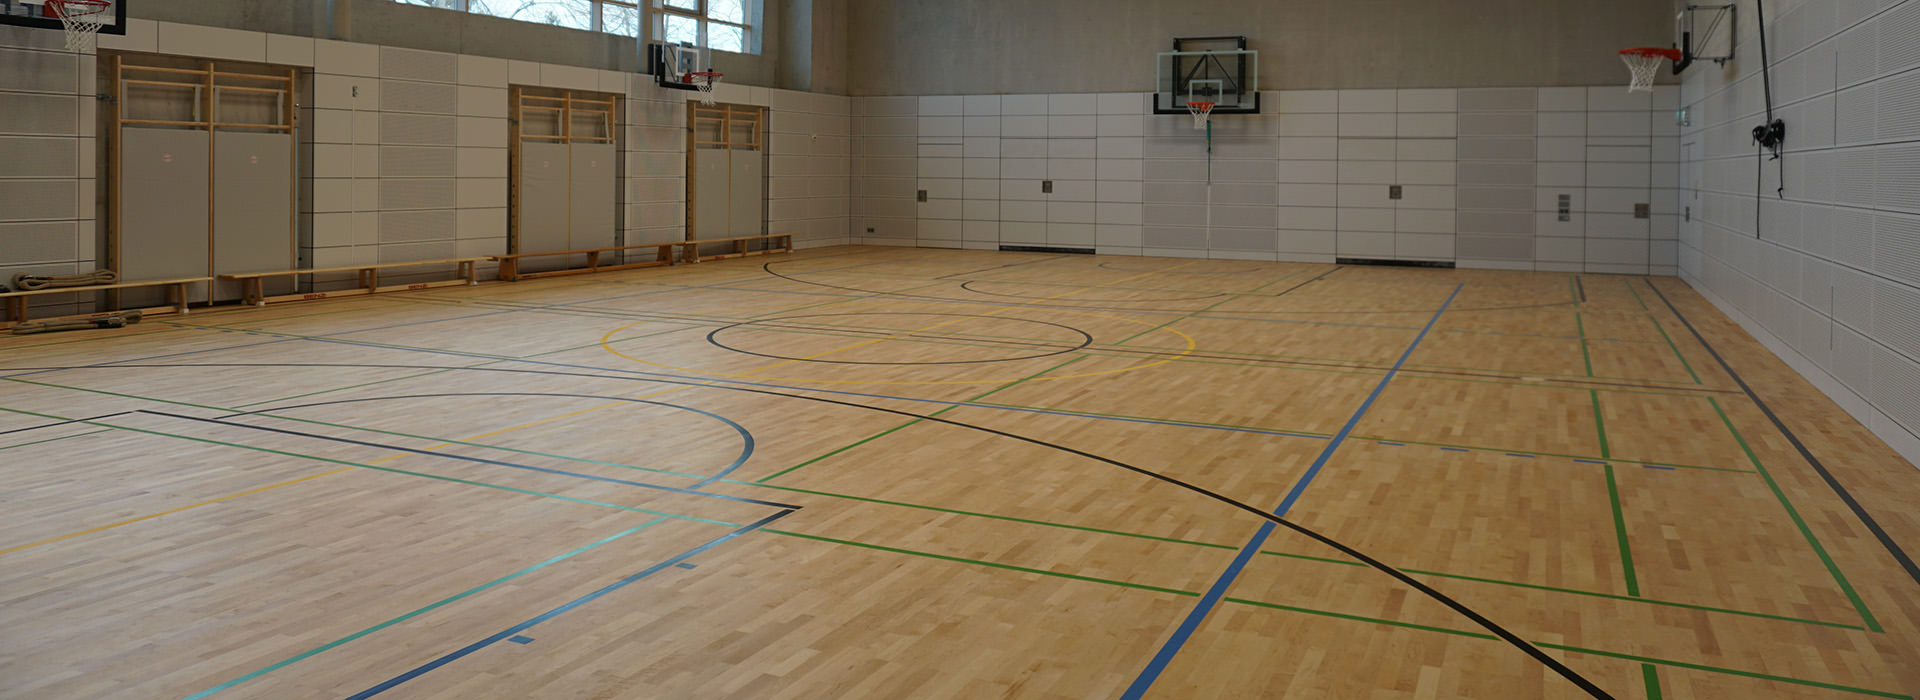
1200	112
81	20
1644	68
706	82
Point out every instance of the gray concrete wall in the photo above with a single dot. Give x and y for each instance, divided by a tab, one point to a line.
1008	46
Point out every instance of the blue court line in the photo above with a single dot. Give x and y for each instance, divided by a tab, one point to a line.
1456	449
520	639
1218	590
1664	469
1394	444
684	565
422	669
418	612
1516	454
1591	461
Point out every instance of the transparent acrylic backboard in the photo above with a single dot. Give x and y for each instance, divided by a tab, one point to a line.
35	13
1207	69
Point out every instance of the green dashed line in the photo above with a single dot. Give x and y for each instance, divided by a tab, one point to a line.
1620	534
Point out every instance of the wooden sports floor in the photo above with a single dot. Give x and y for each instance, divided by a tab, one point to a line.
896	473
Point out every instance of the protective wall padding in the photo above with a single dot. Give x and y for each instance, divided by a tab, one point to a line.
595	199
712	194
543	203
163	210
253	201
748	195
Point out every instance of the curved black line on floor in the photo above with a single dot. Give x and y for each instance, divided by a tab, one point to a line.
1086	339
1859	511
1484	622
768	268
1255	271
968	285
746	436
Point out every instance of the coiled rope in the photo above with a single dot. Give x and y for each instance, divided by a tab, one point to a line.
28	283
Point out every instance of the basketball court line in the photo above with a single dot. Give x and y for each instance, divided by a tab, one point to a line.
1171	648
1678	664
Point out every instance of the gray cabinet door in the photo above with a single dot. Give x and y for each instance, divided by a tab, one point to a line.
596	200
163	220
252	225
543	203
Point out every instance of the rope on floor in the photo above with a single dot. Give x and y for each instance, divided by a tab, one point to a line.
117	319
28	283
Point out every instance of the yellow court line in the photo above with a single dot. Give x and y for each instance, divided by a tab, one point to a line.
229	497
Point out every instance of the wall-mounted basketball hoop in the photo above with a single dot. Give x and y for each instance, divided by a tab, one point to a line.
1645	64
677	67
1697	26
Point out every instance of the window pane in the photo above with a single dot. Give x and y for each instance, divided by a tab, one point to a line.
726	37
619	19
573	14
728	11
442	4
685	4
681	29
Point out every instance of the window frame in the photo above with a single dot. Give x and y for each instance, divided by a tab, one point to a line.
749	10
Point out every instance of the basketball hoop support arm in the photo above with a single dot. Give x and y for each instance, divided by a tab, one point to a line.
1728	14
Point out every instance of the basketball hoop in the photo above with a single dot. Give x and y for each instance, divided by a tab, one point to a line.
1645	64
1200	112
705	80
81	19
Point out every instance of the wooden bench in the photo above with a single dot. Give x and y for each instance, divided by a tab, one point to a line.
176	297
510	264
252	288
691	250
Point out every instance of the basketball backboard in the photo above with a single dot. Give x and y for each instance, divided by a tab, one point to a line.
35	13
1207	69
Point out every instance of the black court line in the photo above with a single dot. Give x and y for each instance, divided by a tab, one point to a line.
462	458
1317	278
1859	511
61	423
1484	622
1086	339
968	285
1049	258
874	293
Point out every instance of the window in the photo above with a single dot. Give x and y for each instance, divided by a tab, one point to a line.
611	16
718	25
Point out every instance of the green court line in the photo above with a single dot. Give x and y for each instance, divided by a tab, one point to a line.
1585	353
1600	425
1676	349
1345	616
112	336
1652	676
996	565
901	426
1636	293
1372	438
63	437
1620	534
1832	568
1727	671
443	602
1282	279
1209	307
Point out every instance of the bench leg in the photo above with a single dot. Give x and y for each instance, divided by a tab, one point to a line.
177	295
467	271
17	309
